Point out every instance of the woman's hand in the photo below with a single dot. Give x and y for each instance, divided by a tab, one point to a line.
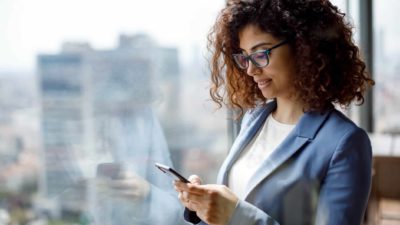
194	179
127	185
214	204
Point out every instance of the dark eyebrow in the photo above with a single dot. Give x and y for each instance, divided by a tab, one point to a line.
258	45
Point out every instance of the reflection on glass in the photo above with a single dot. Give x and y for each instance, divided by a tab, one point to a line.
101	137
67	113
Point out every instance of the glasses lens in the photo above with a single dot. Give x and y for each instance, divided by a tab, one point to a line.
241	61
260	59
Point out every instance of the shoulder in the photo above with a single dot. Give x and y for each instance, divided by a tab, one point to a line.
340	124
333	130
344	136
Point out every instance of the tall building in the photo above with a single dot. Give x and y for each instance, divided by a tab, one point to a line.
81	84
62	126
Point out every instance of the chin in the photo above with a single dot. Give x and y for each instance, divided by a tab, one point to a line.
268	95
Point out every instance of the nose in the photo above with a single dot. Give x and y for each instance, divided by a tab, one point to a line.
252	69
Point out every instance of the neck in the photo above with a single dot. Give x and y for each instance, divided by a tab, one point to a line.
288	111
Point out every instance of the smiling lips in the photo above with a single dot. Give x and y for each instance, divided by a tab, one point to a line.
263	83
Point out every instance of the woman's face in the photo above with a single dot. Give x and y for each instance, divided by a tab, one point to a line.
276	79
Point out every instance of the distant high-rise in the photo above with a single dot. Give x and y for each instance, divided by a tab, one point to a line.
62	95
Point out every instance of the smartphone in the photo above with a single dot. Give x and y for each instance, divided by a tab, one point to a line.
168	170
108	170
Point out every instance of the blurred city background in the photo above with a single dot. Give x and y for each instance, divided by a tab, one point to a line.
65	64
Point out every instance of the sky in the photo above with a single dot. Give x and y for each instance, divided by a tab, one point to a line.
29	27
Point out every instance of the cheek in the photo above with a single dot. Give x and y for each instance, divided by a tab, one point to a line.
283	77
285	59
281	73
284	69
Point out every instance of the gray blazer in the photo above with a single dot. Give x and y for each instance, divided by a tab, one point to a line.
320	174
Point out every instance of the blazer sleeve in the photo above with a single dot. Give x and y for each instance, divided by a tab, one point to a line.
345	190
246	213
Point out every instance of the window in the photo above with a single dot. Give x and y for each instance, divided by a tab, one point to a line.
386	66
95	83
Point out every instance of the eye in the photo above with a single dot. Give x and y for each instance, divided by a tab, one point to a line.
259	55
240	58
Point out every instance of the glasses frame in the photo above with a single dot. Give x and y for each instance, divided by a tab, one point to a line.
251	56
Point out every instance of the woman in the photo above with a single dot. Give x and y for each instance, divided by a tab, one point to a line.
297	160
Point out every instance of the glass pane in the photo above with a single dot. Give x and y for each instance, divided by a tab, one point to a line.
92	95
387	65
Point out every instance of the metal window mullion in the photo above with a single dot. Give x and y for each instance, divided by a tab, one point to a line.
366	44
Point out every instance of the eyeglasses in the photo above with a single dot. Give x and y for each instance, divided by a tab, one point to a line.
259	58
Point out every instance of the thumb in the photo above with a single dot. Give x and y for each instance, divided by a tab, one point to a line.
194	179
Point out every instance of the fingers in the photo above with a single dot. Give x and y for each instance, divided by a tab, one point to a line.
187	195
184	198
214	204
198	189
194	179
194	193
191	195
191	188
194	198
179	185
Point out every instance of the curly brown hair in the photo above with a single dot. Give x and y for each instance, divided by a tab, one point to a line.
328	65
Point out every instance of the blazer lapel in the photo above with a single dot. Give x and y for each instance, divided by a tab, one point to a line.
249	129
304	132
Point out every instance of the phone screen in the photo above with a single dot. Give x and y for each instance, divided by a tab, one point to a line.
172	172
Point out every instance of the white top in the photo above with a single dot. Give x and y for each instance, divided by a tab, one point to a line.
259	149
